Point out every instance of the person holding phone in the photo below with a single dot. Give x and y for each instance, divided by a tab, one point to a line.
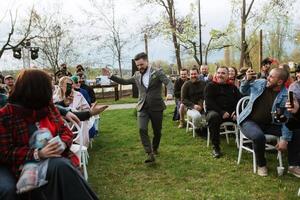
256	120
66	96
294	123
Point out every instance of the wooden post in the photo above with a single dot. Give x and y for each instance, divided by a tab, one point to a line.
146	43
226	55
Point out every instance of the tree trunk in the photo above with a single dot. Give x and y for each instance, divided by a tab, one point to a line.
243	34
177	51
172	21
247	56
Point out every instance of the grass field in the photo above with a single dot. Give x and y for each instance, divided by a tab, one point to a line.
122	100
184	169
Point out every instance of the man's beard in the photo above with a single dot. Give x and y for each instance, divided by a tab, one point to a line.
143	72
270	85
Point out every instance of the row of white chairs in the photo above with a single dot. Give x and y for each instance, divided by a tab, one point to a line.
241	140
78	148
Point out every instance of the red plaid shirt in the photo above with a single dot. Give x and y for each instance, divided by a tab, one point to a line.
14	135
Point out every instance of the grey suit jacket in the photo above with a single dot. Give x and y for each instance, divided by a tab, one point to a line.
152	95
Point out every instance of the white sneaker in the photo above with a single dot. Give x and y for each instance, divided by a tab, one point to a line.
262	171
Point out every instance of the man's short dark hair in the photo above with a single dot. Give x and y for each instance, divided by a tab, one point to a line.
142	55
224	67
195	68
266	61
184	69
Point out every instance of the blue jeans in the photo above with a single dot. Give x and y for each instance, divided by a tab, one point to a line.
256	133
7	184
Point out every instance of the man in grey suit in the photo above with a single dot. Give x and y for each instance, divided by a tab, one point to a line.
150	104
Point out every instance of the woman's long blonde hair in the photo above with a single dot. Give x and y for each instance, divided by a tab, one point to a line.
59	94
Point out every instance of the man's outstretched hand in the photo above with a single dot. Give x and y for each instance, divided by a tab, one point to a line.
96	109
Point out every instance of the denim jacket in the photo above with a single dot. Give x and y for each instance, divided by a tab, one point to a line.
255	89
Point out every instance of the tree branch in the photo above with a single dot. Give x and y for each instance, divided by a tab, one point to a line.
249	9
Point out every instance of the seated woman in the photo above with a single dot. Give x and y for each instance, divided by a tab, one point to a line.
233	76
66	96
30	108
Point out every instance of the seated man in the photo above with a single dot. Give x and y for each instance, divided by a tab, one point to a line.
221	98
204	74
192	95
266	97
181	109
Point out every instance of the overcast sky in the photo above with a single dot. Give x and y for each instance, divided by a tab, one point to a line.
215	14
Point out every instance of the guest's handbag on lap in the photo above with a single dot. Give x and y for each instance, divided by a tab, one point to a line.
33	173
33	176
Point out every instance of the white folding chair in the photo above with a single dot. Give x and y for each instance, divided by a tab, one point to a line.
226	128
79	149
244	140
191	124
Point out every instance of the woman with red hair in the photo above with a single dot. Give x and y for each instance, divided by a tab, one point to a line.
28	110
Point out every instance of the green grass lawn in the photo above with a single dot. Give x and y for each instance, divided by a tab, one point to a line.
122	100
184	169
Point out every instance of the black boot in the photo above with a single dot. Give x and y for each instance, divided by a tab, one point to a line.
150	158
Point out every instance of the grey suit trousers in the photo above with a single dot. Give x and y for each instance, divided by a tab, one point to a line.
156	118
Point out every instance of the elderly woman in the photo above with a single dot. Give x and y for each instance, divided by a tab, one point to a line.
29	109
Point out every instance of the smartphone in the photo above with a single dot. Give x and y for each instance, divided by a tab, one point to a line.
291	98
69	89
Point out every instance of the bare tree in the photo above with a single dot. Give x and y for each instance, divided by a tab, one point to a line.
111	30
169	11
55	42
15	39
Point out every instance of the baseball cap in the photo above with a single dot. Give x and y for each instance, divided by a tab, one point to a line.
8	76
74	79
